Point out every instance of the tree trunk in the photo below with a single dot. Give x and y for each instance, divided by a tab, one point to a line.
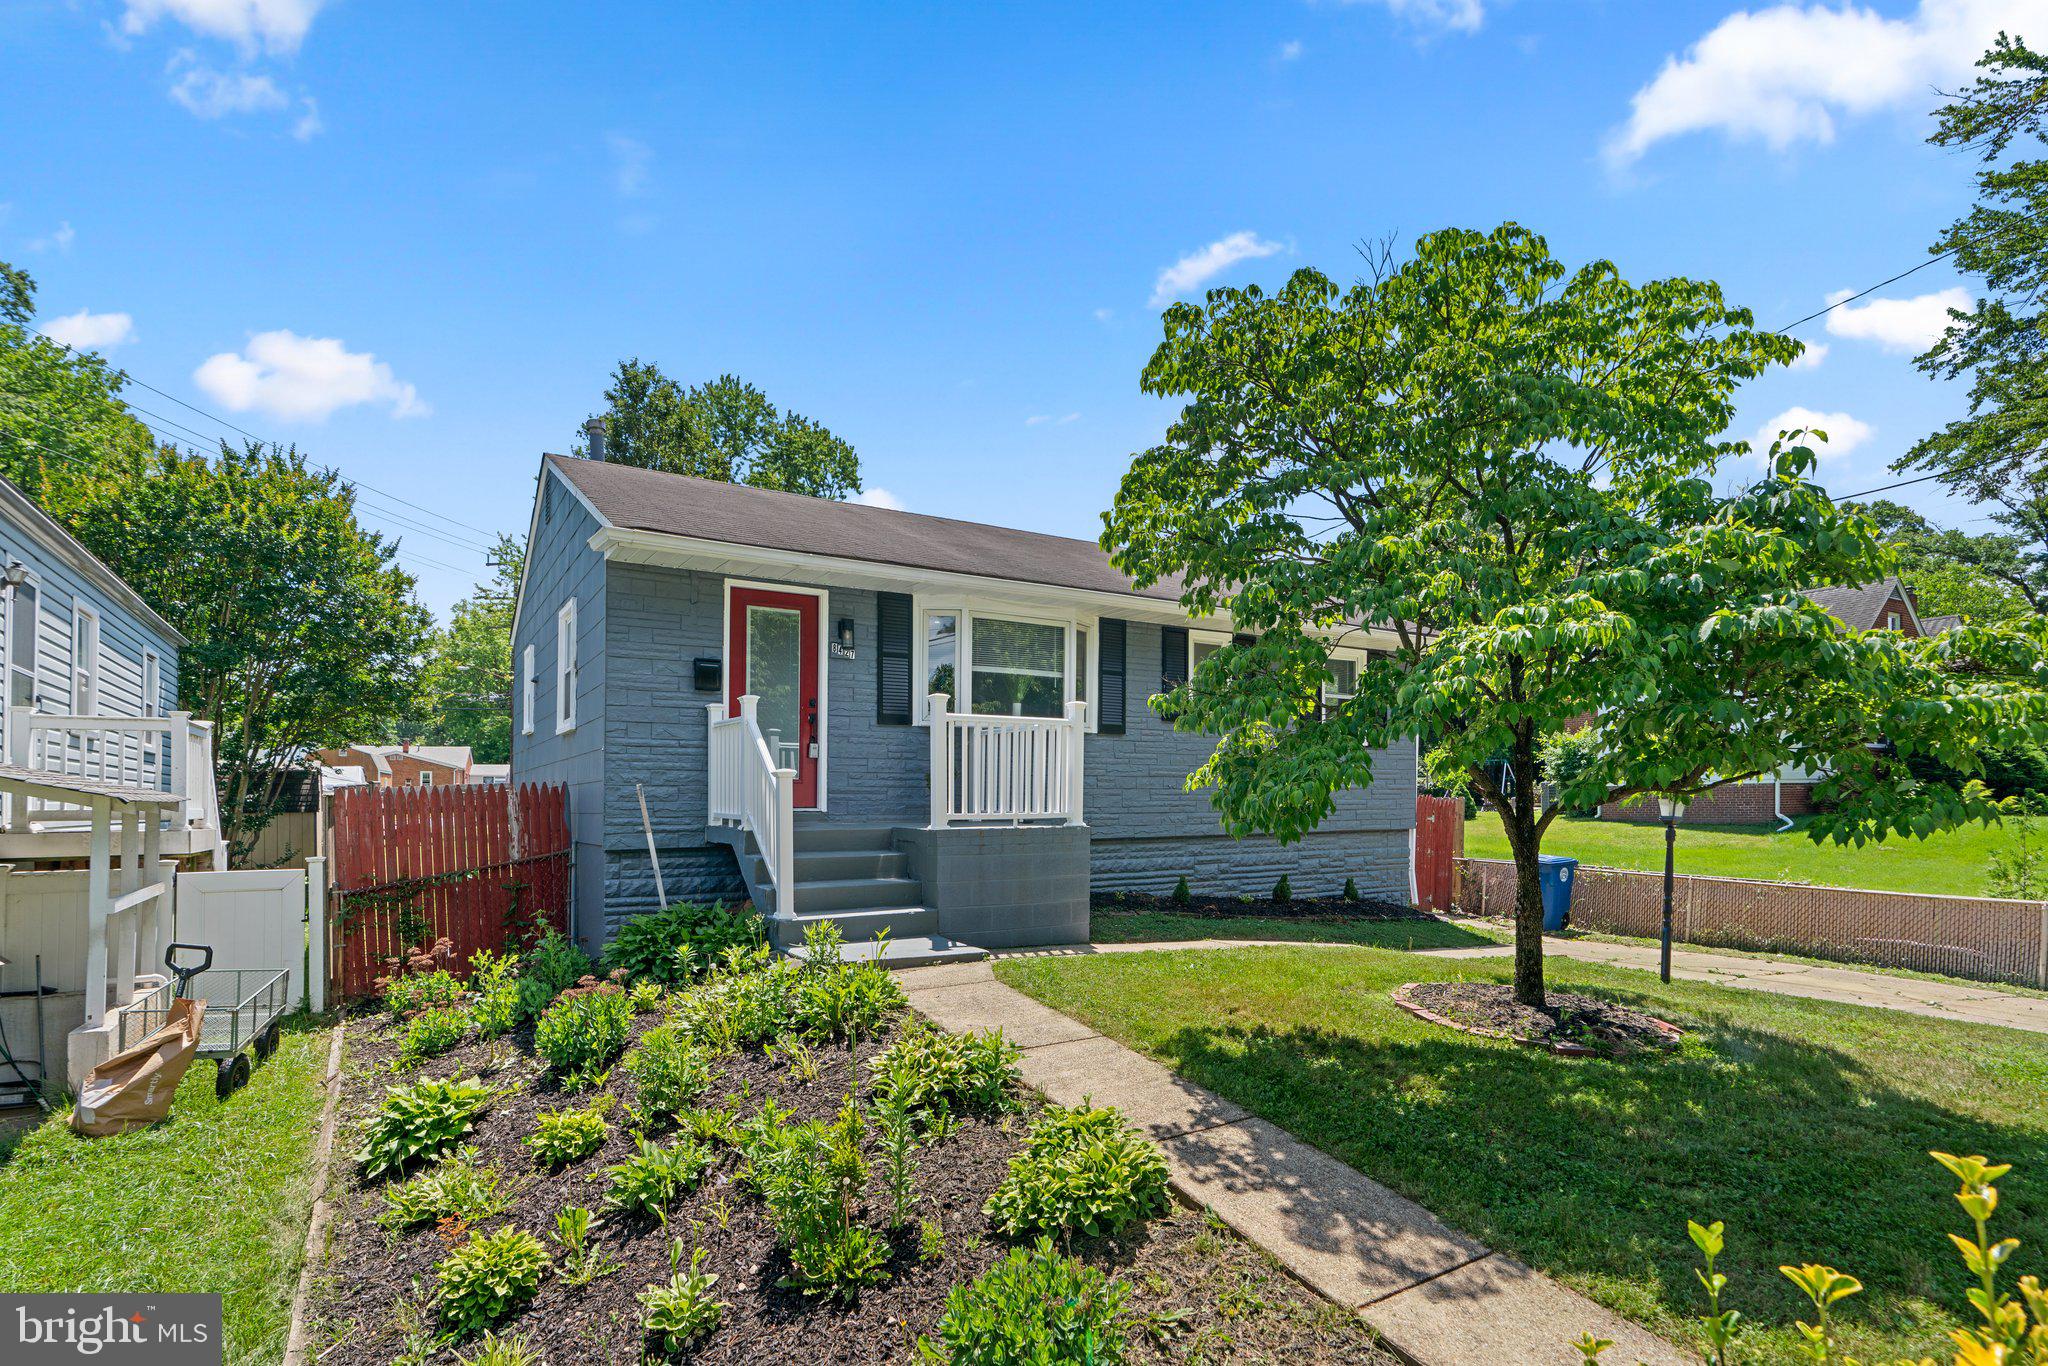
1520	816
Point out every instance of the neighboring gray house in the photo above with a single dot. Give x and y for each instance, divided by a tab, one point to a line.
763	666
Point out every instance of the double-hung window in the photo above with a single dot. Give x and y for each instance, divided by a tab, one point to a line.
85	661
995	661
565	668
529	683
23	631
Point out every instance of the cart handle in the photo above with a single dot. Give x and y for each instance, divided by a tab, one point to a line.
205	962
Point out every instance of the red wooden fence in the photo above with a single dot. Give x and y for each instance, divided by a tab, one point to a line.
1439	844
484	866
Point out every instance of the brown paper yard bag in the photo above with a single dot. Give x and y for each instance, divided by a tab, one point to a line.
135	1087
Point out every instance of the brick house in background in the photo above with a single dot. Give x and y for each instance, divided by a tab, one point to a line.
406	765
1886	605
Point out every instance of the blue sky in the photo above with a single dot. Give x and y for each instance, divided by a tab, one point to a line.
414	239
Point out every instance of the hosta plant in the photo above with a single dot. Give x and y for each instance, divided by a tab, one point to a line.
457	1187
678	1313
424	1119
927	1068
560	1137
487	1278
1083	1170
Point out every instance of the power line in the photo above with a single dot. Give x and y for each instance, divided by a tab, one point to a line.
1852	298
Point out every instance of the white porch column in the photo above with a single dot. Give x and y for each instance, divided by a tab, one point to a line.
784	816
181	764
316	934
127	929
153	936
1076	738
98	900
938	705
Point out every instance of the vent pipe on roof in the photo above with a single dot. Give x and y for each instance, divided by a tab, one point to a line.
593	438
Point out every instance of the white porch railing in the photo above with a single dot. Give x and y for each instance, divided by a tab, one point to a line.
164	753
750	789
1008	769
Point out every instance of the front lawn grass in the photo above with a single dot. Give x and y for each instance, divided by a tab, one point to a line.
1804	1124
213	1199
1951	863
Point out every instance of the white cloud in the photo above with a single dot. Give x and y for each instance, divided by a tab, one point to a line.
632	164
1290	50
215	94
89	331
303	379
1909	326
1845	433
1787	73
879	498
1103	315
1811	357
1463	15
1199	267
308	124
274	25
1048	419
58	240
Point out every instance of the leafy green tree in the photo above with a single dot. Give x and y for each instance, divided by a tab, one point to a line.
61	417
727	430
1998	452
466	684
1989	578
1509	466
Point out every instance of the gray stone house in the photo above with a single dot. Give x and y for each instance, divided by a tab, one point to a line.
902	723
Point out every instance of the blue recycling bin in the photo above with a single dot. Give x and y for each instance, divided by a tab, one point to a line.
1555	874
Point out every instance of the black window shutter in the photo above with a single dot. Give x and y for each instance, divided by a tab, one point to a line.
1173	656
892	655
1109	678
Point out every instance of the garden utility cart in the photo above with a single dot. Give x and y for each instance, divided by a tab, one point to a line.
243	1007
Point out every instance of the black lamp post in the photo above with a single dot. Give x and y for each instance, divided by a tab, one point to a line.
1673	809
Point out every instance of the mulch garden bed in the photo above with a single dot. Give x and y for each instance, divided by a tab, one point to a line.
1264	908
1571	1025
1204	1294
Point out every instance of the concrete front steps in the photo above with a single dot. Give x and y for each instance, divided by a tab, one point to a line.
853	876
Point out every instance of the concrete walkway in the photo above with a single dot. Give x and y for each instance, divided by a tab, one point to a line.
1788	977
1438	1297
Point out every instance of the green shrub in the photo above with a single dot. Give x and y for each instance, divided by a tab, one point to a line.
810	1178
422	1120
750	1002
648	1182
1570	760
1351	889
433	1032
839	1000
708	1126
560	1137
421	991
487	1278
581	1034
896	1146
494	981
682	1311
1035	1305
458	1187
676	946
926	1068
1083	1170
1181	896
672	1070
646	996
1283	891
553	966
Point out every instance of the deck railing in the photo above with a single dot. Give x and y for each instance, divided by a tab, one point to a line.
171	753
750	789
1005	769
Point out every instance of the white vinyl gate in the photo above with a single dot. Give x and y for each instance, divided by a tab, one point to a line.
257	918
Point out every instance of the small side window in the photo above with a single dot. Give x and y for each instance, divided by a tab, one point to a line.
528	685
565	668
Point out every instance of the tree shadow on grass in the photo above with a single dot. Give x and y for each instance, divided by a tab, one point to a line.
1591	1168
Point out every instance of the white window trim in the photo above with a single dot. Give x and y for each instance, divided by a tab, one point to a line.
529	685
425	778
85	677
966	608
152	683
566	670
824	664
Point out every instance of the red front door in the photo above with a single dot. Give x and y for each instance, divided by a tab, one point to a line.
773	654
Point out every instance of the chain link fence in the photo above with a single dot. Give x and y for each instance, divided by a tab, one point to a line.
1961	936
